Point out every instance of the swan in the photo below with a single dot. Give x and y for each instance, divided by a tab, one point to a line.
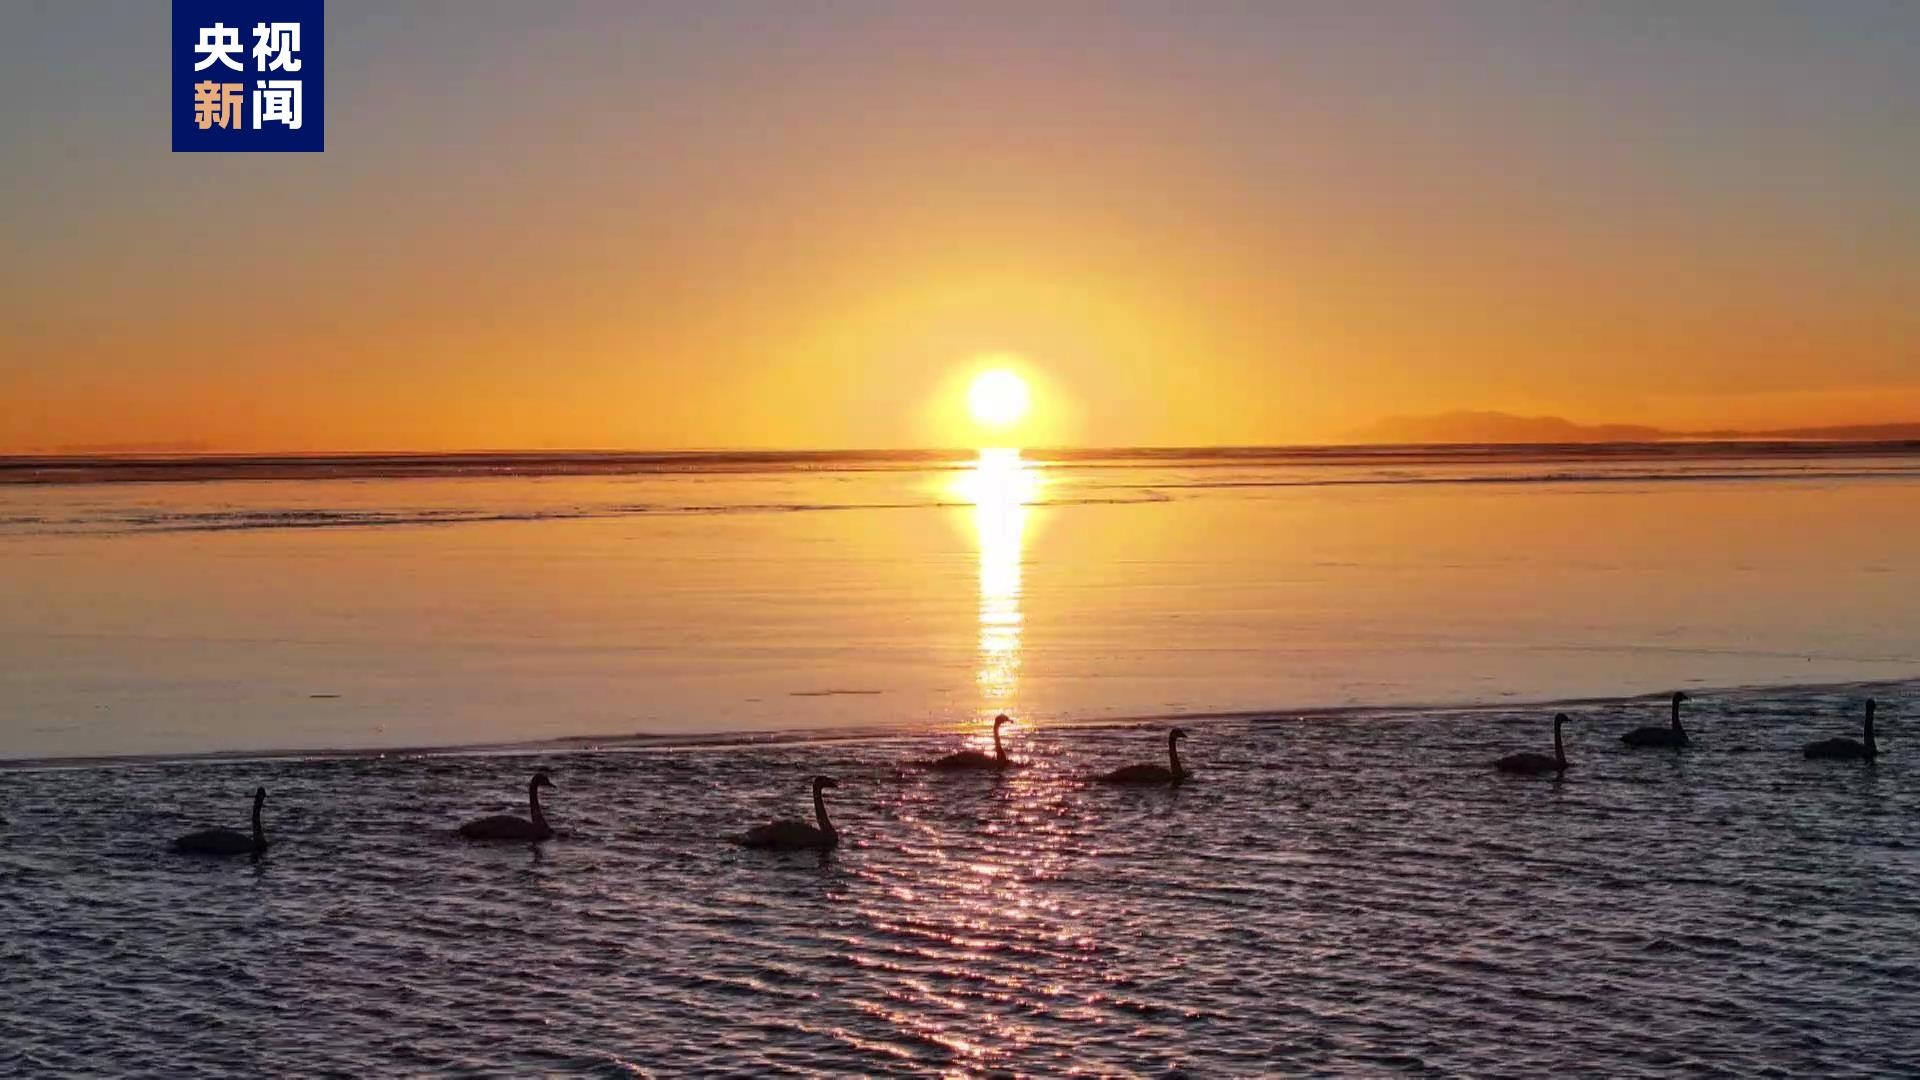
791	835
508	827
1671	735
1846	749
1154	774
975	759
225	842
1528	763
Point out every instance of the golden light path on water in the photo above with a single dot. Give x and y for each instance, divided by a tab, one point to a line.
1000	485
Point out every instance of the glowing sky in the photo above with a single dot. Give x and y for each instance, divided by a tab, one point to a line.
624	224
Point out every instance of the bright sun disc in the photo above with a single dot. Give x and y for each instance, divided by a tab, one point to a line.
998	397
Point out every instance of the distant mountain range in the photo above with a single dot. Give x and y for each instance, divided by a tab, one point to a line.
1499	427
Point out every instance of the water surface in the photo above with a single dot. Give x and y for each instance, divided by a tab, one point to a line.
181	606
1348	894
684	640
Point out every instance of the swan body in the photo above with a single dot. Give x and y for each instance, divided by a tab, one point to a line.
1171	773
1529	763
1672	735
1840	749
533	828
792	835
225	843
975	759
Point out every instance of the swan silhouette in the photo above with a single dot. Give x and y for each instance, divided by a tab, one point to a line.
1529	763
1672	735
1173	773
228	842
791	835
508	827
1841	749
975	759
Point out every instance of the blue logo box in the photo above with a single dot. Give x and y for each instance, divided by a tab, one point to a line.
249	76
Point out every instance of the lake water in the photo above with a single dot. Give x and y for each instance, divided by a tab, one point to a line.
1350	637
316	603
1354	894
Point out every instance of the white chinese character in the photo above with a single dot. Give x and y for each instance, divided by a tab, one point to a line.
277	99
280	40
219	42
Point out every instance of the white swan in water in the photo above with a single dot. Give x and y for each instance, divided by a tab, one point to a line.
1528	763
975	759
1172	773
1670	735
508	827
225	842
1839	749
791	835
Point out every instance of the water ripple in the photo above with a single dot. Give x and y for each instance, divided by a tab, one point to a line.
1351	895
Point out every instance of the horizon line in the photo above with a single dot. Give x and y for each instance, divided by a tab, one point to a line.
161	452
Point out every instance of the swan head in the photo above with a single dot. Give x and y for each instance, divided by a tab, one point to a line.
1175	735
1680	696
1003	718
1870	705
821	783
1559	718
540	780
259	794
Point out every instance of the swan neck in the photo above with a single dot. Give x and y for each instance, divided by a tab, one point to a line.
259	834
1559	748
820	810
1676	714
1173	757
533	806
999	751
1872	750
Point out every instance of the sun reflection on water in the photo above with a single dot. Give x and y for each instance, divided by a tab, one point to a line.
999	485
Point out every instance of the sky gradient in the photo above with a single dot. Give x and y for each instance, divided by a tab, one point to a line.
620	224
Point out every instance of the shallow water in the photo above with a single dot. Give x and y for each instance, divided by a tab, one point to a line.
1351	893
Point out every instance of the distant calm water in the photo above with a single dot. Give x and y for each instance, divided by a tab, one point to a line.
420	601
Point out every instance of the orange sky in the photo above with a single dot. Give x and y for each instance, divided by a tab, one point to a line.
740	227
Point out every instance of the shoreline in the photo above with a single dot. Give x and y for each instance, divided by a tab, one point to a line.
644	742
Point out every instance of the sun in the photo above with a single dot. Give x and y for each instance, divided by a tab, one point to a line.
998	398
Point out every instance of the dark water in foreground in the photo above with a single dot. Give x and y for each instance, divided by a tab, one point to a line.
1348	895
